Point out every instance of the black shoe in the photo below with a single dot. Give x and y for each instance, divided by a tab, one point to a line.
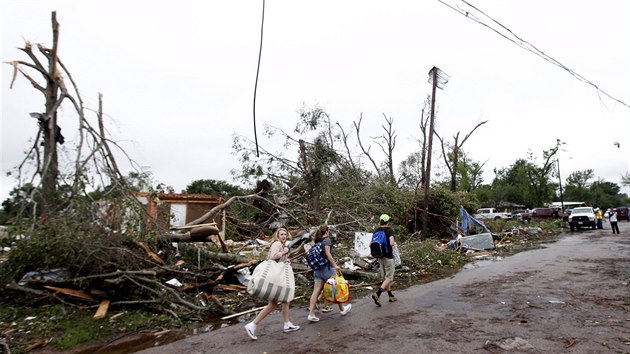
377	301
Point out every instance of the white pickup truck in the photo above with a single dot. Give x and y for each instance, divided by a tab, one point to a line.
491	214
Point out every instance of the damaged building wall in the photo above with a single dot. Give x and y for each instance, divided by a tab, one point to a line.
171	210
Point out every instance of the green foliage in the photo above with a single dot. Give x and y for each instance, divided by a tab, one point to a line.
446	203
70	326
4	217
410	171
423	255
69	242
605	194
526	182
577	186
598	193
213	187
579	179
513	184
20	205
469	174
484	195
442	202
467	200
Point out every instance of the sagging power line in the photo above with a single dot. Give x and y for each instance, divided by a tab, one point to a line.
512	37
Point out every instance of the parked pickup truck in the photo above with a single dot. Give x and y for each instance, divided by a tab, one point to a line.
491	214
582	217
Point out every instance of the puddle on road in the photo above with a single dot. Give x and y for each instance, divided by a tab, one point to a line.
479	263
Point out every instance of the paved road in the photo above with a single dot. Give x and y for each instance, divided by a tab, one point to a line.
570	297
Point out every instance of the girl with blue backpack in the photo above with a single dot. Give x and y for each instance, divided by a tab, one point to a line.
323	272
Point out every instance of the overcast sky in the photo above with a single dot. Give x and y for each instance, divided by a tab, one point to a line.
177	77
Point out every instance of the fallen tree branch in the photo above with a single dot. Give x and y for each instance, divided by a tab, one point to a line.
217	209
242	313
14	286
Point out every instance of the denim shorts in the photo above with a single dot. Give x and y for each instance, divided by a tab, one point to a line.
322	274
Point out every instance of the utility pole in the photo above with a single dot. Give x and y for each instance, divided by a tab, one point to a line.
438	78
427	172
560	183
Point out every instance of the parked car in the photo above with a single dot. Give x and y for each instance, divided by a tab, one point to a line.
522	215
582	217
491	214
622	214
543	213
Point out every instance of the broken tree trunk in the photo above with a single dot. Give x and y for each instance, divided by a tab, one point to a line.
200	234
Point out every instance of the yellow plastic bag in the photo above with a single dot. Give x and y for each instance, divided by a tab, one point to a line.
336	289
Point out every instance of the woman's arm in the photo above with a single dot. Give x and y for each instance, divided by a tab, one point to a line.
330	257
276	251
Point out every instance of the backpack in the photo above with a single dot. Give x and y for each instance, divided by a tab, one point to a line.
379	246
315	257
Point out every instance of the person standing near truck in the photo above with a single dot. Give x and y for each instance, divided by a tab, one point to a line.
599	217
612	217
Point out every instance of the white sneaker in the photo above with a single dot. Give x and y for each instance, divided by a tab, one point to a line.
313	318
346	309
290	327
251	330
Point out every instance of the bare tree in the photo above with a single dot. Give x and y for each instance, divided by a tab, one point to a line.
424	131
451	159
93	149
387	142
366	152
345	137
54	92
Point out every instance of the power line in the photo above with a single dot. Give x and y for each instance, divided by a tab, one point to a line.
262	26
470	14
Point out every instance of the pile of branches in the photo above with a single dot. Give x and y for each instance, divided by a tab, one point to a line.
95	267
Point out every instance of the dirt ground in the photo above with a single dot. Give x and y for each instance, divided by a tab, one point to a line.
571	296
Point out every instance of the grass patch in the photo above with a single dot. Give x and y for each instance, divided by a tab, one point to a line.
66	327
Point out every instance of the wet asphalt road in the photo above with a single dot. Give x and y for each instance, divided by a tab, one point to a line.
572	296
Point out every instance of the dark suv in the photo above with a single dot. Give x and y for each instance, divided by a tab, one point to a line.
622	214
542	213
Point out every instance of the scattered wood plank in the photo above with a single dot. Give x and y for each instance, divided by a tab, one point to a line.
40	344
242	313
230	287
102	310
70	292
154	257
117	315
249	311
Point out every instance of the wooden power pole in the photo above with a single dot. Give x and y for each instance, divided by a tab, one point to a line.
435	74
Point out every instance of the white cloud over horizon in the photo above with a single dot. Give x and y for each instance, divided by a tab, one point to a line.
178	77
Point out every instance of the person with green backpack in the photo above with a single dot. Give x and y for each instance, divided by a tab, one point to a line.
381	247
